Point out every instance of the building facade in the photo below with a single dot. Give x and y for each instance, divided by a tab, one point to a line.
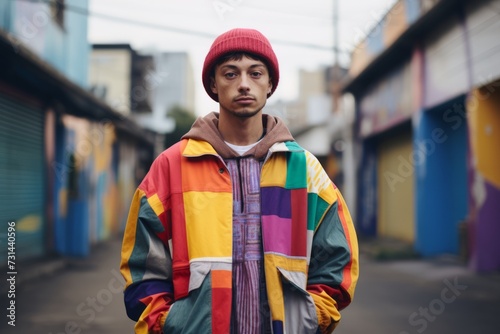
69	163
145	85
425	82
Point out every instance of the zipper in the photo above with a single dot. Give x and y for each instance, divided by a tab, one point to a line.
242	196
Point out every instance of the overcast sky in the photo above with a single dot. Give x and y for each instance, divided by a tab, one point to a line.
302	32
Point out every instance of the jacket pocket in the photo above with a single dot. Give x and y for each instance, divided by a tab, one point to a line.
300	311
191	314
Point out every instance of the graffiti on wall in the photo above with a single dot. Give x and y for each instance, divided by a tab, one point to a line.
96	183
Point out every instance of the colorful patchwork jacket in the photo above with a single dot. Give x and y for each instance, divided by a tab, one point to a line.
177	246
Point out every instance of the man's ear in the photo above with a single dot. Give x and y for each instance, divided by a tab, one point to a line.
213	86
270	86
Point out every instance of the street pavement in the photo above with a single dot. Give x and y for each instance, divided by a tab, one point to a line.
85	296
438	296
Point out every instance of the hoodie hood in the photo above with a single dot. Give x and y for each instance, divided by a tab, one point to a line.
207	128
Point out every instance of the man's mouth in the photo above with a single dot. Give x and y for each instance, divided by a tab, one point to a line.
245	99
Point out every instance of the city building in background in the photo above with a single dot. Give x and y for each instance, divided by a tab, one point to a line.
144	85
425	83
307	116
174	86
69	162
118	75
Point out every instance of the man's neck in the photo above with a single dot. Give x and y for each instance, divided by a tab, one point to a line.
240	130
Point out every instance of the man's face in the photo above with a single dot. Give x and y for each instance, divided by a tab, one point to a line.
242	86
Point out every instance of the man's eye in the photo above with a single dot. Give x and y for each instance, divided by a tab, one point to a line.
230	75
256	74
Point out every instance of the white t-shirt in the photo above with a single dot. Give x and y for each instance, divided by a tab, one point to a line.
241	149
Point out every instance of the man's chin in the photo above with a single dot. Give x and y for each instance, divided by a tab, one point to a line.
245	112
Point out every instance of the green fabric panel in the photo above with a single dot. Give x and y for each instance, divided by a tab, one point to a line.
296	176
192	314
316	207
293	146
330	251
149	217
147	220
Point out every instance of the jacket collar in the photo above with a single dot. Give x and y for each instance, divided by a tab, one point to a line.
197	148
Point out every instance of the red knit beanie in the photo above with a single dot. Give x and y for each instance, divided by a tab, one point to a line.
241	40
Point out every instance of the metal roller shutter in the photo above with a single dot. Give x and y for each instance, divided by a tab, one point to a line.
22	181
396	189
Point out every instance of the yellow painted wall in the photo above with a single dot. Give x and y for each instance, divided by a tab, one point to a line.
484	126
395	177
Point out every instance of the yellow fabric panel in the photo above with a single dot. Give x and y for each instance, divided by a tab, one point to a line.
141	327
274	284
197	147
484	124
129	236
289	264
274	172
328	194
273	280
156	205
154	304
209	238
325	308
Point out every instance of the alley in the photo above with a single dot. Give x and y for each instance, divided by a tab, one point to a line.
393	297
397	100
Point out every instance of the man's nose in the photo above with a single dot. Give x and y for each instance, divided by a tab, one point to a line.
244	84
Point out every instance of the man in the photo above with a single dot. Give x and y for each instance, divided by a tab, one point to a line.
236	228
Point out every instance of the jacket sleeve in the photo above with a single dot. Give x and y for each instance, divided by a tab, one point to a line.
146	262
333	268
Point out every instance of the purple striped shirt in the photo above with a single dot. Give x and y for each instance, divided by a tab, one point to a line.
250	314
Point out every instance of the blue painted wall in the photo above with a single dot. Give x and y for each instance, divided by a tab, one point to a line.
66	48
77	45
5	15
441	177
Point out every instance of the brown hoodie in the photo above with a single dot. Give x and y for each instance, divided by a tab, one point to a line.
207	128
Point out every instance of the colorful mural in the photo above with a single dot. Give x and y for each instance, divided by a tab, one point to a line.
484	226
67	181
94	184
